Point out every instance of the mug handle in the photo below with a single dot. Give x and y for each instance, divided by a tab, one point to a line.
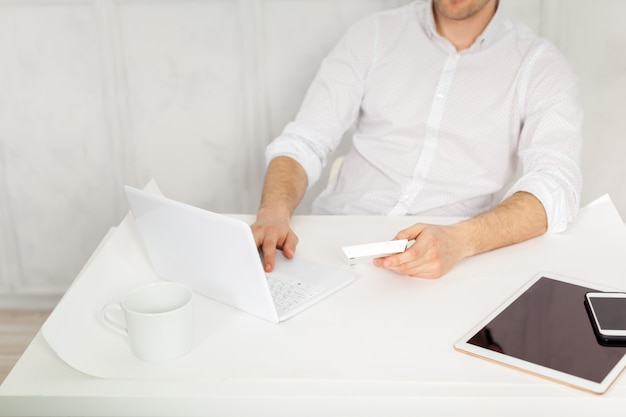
111	323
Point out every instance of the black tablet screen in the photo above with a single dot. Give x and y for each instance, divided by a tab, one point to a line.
548	325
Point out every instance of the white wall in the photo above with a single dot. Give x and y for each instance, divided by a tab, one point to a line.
97	94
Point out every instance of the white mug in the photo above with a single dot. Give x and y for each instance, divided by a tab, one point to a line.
158	320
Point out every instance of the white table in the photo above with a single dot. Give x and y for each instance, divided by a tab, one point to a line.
381	346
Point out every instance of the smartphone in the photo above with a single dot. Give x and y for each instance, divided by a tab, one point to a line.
607	312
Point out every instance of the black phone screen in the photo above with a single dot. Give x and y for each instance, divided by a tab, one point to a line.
610	312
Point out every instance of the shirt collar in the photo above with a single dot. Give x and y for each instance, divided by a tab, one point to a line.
488	35
431	28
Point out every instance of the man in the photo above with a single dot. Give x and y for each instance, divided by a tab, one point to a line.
449	98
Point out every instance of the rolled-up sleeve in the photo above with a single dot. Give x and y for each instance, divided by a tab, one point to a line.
551	137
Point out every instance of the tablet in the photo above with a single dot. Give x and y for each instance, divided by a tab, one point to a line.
544	329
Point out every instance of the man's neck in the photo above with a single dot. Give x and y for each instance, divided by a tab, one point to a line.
463	32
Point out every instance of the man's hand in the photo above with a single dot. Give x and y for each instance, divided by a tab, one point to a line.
438	248
271	231
435	251
283	188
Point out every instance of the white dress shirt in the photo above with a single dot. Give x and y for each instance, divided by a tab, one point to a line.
439	132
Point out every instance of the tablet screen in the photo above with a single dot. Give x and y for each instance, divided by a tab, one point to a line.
548	325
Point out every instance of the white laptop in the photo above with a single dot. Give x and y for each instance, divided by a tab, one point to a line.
217	257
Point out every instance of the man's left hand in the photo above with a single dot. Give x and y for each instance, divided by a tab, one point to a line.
435	251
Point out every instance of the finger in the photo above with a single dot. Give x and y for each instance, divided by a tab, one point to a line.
415	269
410	233
419	265
269	253
394	261
289	247
403	263
258	233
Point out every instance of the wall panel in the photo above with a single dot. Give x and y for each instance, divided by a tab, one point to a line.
183	69
593	37
54	148
95	94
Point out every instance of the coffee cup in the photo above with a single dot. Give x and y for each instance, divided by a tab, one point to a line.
157	320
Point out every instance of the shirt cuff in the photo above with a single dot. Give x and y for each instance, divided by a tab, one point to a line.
560	205
298	151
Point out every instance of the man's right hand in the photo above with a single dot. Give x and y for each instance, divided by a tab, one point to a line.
284	186
271	231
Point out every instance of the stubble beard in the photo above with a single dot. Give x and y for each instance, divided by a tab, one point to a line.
446	8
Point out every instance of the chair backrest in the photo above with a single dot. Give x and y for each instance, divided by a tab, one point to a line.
335	168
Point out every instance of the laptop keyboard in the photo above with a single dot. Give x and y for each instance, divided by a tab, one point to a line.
287	293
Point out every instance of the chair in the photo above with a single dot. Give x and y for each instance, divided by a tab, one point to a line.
335	168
